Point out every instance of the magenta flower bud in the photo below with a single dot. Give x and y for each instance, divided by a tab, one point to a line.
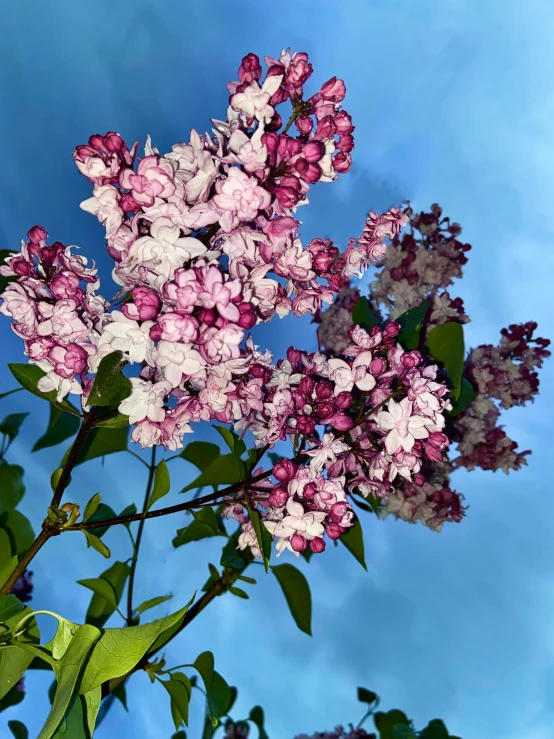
37	234
271	142
278	497
338	511
432	453
147	301
346	143
324	389
304	125
48	254
419	479
298	543
392	329
66	286
311	173
155	332
293	355
343	123
309	491
333	90
326	127
114	143
333	530
21	267
323	261
247	319
96	141
306	385
313	151
342	162
341	422
317	546
284	470
411	359
343	400
250	68
299	399
377	366
208	316
128	204
438	440
325	410
305	425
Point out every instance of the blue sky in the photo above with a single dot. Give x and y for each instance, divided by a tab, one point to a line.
453	103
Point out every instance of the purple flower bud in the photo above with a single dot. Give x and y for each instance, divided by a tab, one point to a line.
305	425
377	366
343	400
324	389
37	234
333	530
317	546
284	470
392	329
306	385
298	543
278	497
338	511
341	422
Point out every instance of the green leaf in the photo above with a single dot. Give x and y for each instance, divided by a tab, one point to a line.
435	729
68	670
205	524
8	563
367	696
110	385
96	543
92	506
412	323
14	660
204	665
200	453
353	540
145	605
111	421
219	696
18	729
297	594
102	587
28	376
262	535
403	731
257	718
238	592
119	650
179	689
233	441
162	483
101	441
61	426
224	470
445	343
363	315
103	513
19	529
385	722
467	393
9	606
11	424
12	488
231	556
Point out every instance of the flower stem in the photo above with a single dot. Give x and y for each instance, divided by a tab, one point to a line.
132	573
48	529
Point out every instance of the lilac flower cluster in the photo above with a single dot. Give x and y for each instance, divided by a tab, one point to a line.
419	265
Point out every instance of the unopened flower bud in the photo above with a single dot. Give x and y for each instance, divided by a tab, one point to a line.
278	497
317	546
298	543
284	470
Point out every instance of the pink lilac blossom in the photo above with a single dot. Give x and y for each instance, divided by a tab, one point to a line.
420	265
